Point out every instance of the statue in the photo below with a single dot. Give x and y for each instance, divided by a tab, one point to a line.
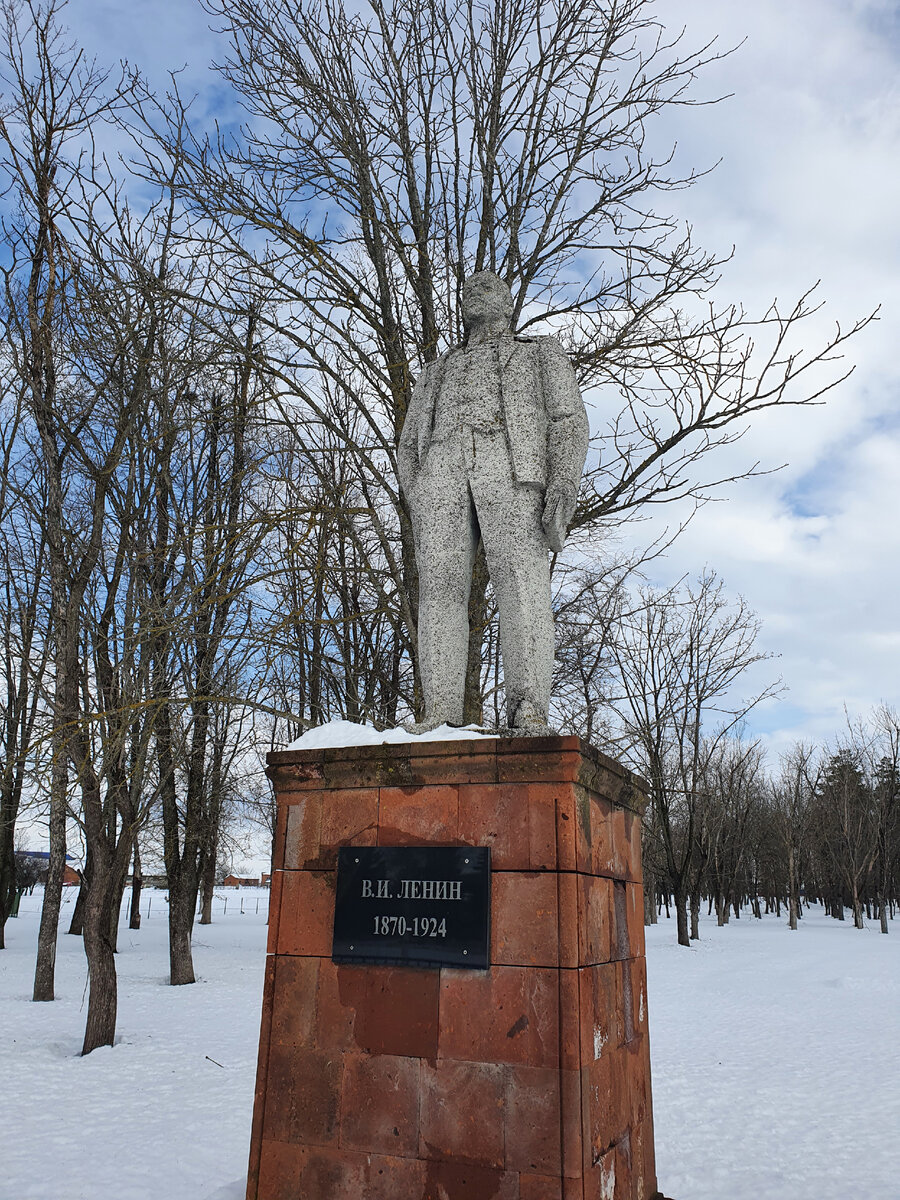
493	446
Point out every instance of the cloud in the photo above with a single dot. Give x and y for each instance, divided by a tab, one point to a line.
808	188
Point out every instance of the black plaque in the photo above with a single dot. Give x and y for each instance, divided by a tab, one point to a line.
413	906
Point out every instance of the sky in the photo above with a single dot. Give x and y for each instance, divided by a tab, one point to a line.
807	189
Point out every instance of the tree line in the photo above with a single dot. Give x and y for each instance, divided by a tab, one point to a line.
210	340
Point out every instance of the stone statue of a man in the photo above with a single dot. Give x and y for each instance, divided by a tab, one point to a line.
493	446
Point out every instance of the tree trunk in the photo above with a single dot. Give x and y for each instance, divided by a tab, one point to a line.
681	915
100	1029
695	917
208	887
76	925
114	905
137	879
45	966
650	917
181	920
7	870
882	913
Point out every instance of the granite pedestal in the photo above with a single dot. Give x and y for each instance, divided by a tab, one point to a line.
528	1081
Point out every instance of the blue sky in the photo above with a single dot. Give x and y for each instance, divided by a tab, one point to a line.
808	189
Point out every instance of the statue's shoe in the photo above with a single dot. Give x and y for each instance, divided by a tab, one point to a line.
528	722
533	729
427	725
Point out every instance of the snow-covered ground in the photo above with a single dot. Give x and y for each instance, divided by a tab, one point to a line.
776	1064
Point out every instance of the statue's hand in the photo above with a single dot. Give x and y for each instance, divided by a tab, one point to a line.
559	508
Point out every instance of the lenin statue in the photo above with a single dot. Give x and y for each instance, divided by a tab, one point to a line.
493	447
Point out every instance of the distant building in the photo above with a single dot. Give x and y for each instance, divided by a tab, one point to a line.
71	878
240	881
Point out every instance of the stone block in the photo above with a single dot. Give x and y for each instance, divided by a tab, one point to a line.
278	841
303	1096
377	1010
461	1181
634	919
626	999
274	911
637	1073
462	1116
520	822
533	1120
625	1173
606	1104
572	1134
306	919
644	1159
620	948
294	1000
507	1014
556	763
619	844
303	831
638	968
466	767
401	1012
594	920
540	1187
380	1104
346	1175
524	919
569	1023
602	1016
633	826
279	1172
418	816
601	858
349	818
262	1070
340	994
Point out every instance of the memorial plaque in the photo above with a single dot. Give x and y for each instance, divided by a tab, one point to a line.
413	906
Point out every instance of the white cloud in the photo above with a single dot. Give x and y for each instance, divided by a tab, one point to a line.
809	188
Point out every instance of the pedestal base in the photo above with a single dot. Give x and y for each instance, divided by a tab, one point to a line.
528	1081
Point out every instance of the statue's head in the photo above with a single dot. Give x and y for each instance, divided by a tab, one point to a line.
485	297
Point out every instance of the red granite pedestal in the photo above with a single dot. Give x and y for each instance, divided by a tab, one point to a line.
528	1081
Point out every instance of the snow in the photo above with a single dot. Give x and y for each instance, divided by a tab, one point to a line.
163	1115
776	1060
348	733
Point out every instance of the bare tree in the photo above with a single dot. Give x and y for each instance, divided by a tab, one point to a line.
53	99
792	794
24	651
679	657
886	795
203	540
